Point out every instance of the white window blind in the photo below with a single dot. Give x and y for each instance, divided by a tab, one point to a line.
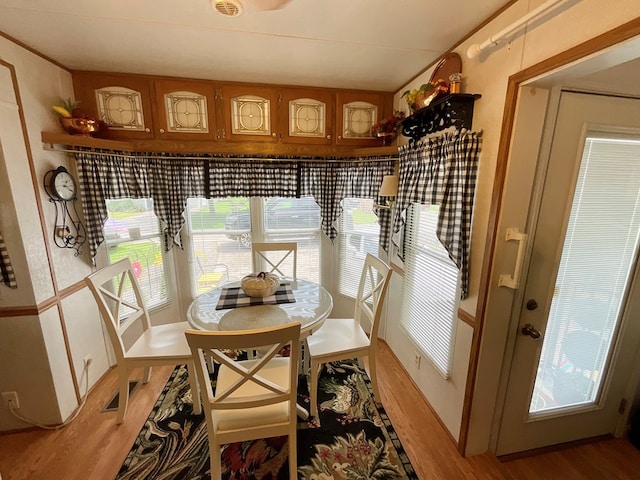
295	220
222	230
431	289
358	235
219	241
132	230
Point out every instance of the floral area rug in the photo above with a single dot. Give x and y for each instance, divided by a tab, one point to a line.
352	438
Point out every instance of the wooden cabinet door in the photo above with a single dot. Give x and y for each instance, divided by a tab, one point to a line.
185	110
249	113
356	113
123	102
306	116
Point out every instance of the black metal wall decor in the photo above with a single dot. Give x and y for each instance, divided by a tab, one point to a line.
451	110
68	230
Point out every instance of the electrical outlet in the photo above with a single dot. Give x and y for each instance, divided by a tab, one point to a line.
88	359
10	397
416	360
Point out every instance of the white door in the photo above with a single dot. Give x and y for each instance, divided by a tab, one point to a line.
579	294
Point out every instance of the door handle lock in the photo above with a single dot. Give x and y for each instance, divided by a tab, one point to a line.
530	330
532	304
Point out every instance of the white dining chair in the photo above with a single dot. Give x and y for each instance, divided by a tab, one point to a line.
357	337
275	257
136	343
253	398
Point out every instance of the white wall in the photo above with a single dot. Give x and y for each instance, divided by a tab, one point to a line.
573	23
33	350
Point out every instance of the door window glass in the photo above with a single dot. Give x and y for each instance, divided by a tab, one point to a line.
600	247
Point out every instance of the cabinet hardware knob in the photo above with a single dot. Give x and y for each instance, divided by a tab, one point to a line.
162	130
148	130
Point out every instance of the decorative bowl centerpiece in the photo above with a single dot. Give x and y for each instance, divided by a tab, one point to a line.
80	126
75	120
260	285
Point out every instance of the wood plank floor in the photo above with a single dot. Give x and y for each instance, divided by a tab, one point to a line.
94	447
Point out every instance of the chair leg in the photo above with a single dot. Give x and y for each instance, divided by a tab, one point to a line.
195	390
123	393
315	371
304	355
216	460
293	452
374	377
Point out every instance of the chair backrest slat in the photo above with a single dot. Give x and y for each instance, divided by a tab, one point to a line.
108	286
262	261
372	291
251	375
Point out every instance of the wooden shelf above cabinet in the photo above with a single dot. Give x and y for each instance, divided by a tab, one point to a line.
199	147
451	110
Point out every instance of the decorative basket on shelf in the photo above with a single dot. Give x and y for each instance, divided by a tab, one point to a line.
387	128
260	285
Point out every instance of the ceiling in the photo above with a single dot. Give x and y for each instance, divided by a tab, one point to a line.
359	44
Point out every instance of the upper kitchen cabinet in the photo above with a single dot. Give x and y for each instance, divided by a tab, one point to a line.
356	113
306	116
185	110
123	102
249	113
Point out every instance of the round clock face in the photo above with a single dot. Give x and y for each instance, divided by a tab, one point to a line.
63	185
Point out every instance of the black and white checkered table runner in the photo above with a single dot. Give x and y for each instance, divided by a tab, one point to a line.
232	297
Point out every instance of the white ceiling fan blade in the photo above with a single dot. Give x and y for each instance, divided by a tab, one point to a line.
270	4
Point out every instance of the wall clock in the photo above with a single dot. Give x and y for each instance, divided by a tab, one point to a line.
68	230
62	185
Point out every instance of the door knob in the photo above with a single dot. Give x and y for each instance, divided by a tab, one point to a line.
532	304
530	330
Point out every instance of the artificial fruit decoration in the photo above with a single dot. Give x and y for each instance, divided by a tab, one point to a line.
66	107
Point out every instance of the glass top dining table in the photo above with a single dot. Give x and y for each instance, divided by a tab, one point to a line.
313	304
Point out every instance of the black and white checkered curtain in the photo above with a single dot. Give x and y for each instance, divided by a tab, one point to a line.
252	178
168	181
172	181
330	182
442	171
6	269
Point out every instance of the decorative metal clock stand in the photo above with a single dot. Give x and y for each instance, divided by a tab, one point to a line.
68	231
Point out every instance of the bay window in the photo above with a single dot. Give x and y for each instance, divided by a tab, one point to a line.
222	230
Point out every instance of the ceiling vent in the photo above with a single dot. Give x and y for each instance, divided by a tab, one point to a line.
227	8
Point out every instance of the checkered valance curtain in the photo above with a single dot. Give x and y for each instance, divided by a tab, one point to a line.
330	182
442	171
171	179
168	181
252	178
